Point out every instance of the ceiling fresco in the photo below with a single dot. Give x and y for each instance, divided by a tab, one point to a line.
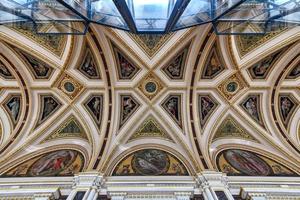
176	67
53	43
151	44
127	105
213	65
150	162
88	67
57	163
4	71
295	72
239	162
150	129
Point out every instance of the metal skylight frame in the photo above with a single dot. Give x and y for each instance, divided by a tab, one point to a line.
227	16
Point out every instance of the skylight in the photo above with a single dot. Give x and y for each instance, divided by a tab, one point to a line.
152	16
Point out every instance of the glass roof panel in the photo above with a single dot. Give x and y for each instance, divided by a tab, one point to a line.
14	11
52	10
222	6
156	16
256	10
80	6
6	17
255	16
106	12
197	12
151	15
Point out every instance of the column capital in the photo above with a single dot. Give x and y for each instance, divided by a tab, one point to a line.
88	179
212	178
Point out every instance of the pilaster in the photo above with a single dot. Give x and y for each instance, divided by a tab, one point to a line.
210	182
88	182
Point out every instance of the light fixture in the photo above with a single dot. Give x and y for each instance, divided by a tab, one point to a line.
151	16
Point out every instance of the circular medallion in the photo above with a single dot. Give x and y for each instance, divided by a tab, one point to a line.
150	162
247	163
69	87
150	87
232	87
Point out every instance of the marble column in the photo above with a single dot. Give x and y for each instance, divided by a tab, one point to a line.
92	194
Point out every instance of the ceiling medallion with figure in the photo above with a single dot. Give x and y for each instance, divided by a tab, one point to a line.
232	86
69	86
150	86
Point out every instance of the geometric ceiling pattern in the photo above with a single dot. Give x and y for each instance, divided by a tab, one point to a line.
167	105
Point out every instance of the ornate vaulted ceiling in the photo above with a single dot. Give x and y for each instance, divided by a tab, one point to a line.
172	104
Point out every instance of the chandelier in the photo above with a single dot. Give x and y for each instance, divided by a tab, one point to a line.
151	16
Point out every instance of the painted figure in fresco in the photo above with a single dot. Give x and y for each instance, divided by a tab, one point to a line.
14	106
125	170
206	106
214	66
4	71
175	66
126	68
286	106
97	106
172	106
128	106
147	165
71	169
53	163
151	162
261	68
295	72
227	169
49	105
250	106
19	170
89	66
247	163
40	69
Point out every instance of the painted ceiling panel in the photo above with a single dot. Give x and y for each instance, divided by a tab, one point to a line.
189	107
